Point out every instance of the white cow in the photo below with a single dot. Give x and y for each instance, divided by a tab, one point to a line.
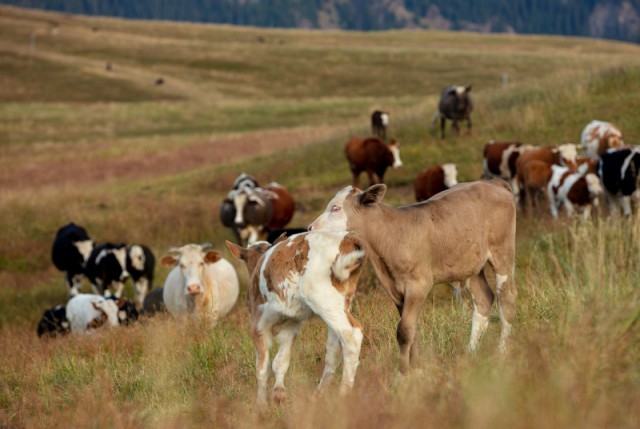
87	311
201	284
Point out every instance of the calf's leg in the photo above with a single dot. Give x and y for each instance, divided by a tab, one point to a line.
285	338
262	341
406	332
332	359
482	301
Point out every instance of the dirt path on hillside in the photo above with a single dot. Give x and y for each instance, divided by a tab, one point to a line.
31	167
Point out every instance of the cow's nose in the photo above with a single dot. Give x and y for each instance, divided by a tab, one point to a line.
193	289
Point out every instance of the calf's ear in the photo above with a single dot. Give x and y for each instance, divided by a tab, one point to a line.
372	195
212	256
280	238
236	251
168	260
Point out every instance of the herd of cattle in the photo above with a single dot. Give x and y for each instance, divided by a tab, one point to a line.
295	274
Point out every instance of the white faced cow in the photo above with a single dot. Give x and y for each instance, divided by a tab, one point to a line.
308	274
140	265
87	311
448	238
202	284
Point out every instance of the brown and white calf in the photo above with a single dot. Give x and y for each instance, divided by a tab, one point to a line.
599	136
533	169
308	274
448	238
433	180
569	188
373	156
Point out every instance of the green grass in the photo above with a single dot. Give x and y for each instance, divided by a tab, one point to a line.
139	163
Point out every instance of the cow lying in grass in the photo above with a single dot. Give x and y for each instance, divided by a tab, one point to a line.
307	274
445	239
202	284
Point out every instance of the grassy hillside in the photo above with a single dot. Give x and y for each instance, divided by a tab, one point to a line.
137	162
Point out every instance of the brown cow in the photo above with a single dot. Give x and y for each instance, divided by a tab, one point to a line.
569	188
373	156
530	179
450	237
435	179
282	205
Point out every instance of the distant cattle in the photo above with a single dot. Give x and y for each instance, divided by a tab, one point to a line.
373	156
379	124
450	237
54	322
435	179
533	170
154	302
87	311
499	159
140	266
619	171
309	274
202	284
106	269
570	189
598	136
70	251
251	211
455	105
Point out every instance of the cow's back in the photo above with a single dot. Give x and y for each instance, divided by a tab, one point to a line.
223	277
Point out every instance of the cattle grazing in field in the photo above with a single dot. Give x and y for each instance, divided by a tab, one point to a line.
433	180
70	251
250	211
599	136
54	322
455	105
106	269
202	284
619	172
568	188
499	159
153	302
448	238
373	156
379	124
310	274
533	170
140	265
88	311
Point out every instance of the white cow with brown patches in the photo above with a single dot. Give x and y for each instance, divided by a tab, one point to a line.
448	238
202	284
306	275
599	136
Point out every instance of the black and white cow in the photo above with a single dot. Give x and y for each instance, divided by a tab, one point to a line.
54	322
127	312
140	265
379	123
106	269
70	251
456	105
619	171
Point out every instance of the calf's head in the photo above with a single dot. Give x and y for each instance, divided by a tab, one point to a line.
136	257
192	260
250	255
348	207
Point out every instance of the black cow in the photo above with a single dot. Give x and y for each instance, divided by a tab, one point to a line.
140	265
379	123
54	322
127	312
619	172
154	302
456	105
70	251
107	268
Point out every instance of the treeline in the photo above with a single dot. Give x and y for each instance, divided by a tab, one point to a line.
563	17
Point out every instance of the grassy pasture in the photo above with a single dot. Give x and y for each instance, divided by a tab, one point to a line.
143	163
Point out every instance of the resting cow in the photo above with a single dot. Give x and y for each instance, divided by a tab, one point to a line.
202	284
448	238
